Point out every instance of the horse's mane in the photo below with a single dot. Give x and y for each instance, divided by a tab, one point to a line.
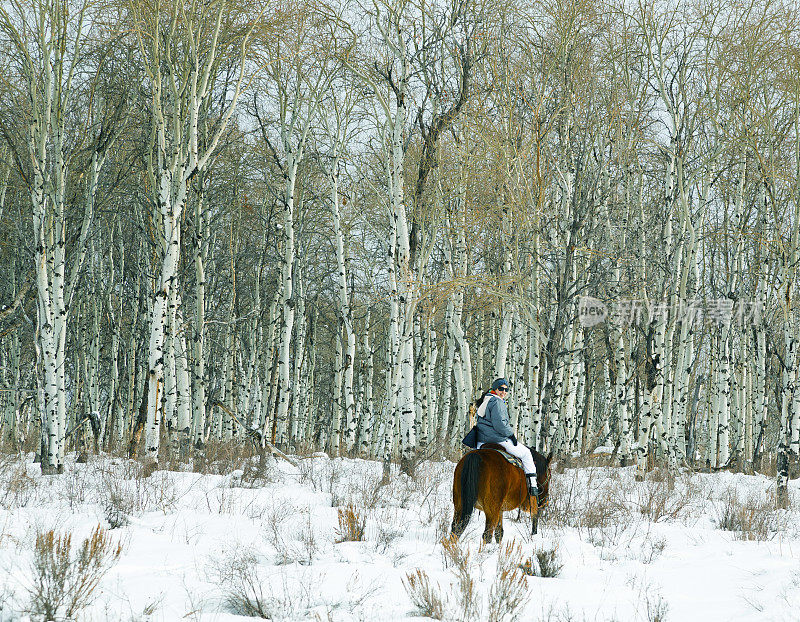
479	401
540	460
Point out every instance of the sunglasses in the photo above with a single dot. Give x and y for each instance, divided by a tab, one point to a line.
503	389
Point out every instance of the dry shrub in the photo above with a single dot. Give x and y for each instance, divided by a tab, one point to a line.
386	530
352	524
255	473
273	526
548	561
78	485
570	497
427	598
248	590
365	491
244	590
660	500
222	457
453	554
64	580
308	539
19	488
655	607
595	506
306	472
117	507
133	490
750	518
651	549
457	559
509	592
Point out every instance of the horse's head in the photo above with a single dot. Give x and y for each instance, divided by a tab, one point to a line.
542	476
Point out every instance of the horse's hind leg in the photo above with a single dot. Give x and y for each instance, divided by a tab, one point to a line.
460	522
493	523
458	526
498	531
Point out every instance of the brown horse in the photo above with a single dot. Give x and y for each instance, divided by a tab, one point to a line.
486	480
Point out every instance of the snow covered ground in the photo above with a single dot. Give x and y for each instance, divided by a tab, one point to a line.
195	547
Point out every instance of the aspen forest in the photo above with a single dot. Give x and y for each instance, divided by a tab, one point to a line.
303	237
330	226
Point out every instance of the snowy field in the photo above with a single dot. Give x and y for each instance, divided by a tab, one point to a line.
275	541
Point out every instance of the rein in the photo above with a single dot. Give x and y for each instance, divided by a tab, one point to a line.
546	482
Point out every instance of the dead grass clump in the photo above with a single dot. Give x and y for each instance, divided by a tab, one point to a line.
352	524
64	580
509	592
426	596
750	518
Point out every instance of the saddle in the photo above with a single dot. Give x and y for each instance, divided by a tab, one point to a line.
509	458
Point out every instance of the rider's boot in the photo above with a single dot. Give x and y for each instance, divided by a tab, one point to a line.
533	490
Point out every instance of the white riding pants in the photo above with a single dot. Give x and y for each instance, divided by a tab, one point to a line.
519	451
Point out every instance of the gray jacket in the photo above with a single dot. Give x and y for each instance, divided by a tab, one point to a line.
493	427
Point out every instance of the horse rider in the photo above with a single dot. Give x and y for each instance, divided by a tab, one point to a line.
493	427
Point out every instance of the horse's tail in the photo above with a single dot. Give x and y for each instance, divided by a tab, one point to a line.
470	474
